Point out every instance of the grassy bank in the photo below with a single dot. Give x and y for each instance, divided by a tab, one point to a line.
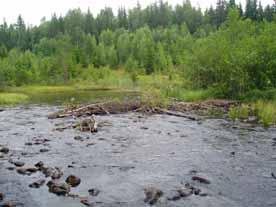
154	89
12	98
262	112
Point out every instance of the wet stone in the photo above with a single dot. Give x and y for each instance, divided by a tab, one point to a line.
79	138
94	192
185	192
28	144
174	196
201	180
18	163
1	196
86	203
26	171
4	150
73	180
44	150
39	165
54	173
152	195
60	189
23	171
37	184
8	204
10	168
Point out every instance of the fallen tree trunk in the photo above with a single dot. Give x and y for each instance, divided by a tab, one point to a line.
177	114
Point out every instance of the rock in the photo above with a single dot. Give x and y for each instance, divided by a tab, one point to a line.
185	192
252	119
201	180
196	191
126	168
152	195
79	138
90	144
94	192
54	173
23	171
44	150
60	189
5	150
18	163
1	196
28	144
193	189
39	165
10	168
174	196
8	204
86	202
203	194
26	170
273	175
32	169
37	184
193	172
73	180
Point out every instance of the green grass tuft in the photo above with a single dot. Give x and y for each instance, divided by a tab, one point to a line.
12	98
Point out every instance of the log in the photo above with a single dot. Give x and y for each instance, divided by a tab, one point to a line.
177	114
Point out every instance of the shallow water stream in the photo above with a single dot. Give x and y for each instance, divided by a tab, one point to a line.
133	152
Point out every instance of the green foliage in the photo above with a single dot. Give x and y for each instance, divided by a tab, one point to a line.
236	59
12	98
223	53
264	111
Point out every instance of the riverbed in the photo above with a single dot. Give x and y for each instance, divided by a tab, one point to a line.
134	151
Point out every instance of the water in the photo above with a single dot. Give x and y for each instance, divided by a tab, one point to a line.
136	151
79	96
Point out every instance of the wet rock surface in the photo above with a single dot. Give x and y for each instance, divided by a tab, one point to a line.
61	189
8	204
37	184
152	195
131	153
73	180
1	196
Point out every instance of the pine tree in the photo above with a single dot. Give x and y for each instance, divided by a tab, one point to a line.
260	12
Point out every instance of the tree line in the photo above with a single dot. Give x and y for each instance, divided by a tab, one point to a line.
210	47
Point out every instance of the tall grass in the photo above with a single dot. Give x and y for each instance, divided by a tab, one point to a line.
264	111
12	98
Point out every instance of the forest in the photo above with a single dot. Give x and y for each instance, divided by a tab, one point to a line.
159	105
228	50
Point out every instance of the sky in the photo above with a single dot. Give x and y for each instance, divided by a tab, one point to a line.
33	11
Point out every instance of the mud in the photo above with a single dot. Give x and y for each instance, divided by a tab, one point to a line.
135	152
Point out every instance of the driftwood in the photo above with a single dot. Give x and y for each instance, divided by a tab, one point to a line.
177	114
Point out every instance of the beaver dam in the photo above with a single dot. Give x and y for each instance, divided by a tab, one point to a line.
131	154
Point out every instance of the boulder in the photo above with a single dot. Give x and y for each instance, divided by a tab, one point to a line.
73	180
152	195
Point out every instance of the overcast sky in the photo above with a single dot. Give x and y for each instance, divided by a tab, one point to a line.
33	10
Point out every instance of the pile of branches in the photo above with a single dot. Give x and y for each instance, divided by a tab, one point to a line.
180	109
